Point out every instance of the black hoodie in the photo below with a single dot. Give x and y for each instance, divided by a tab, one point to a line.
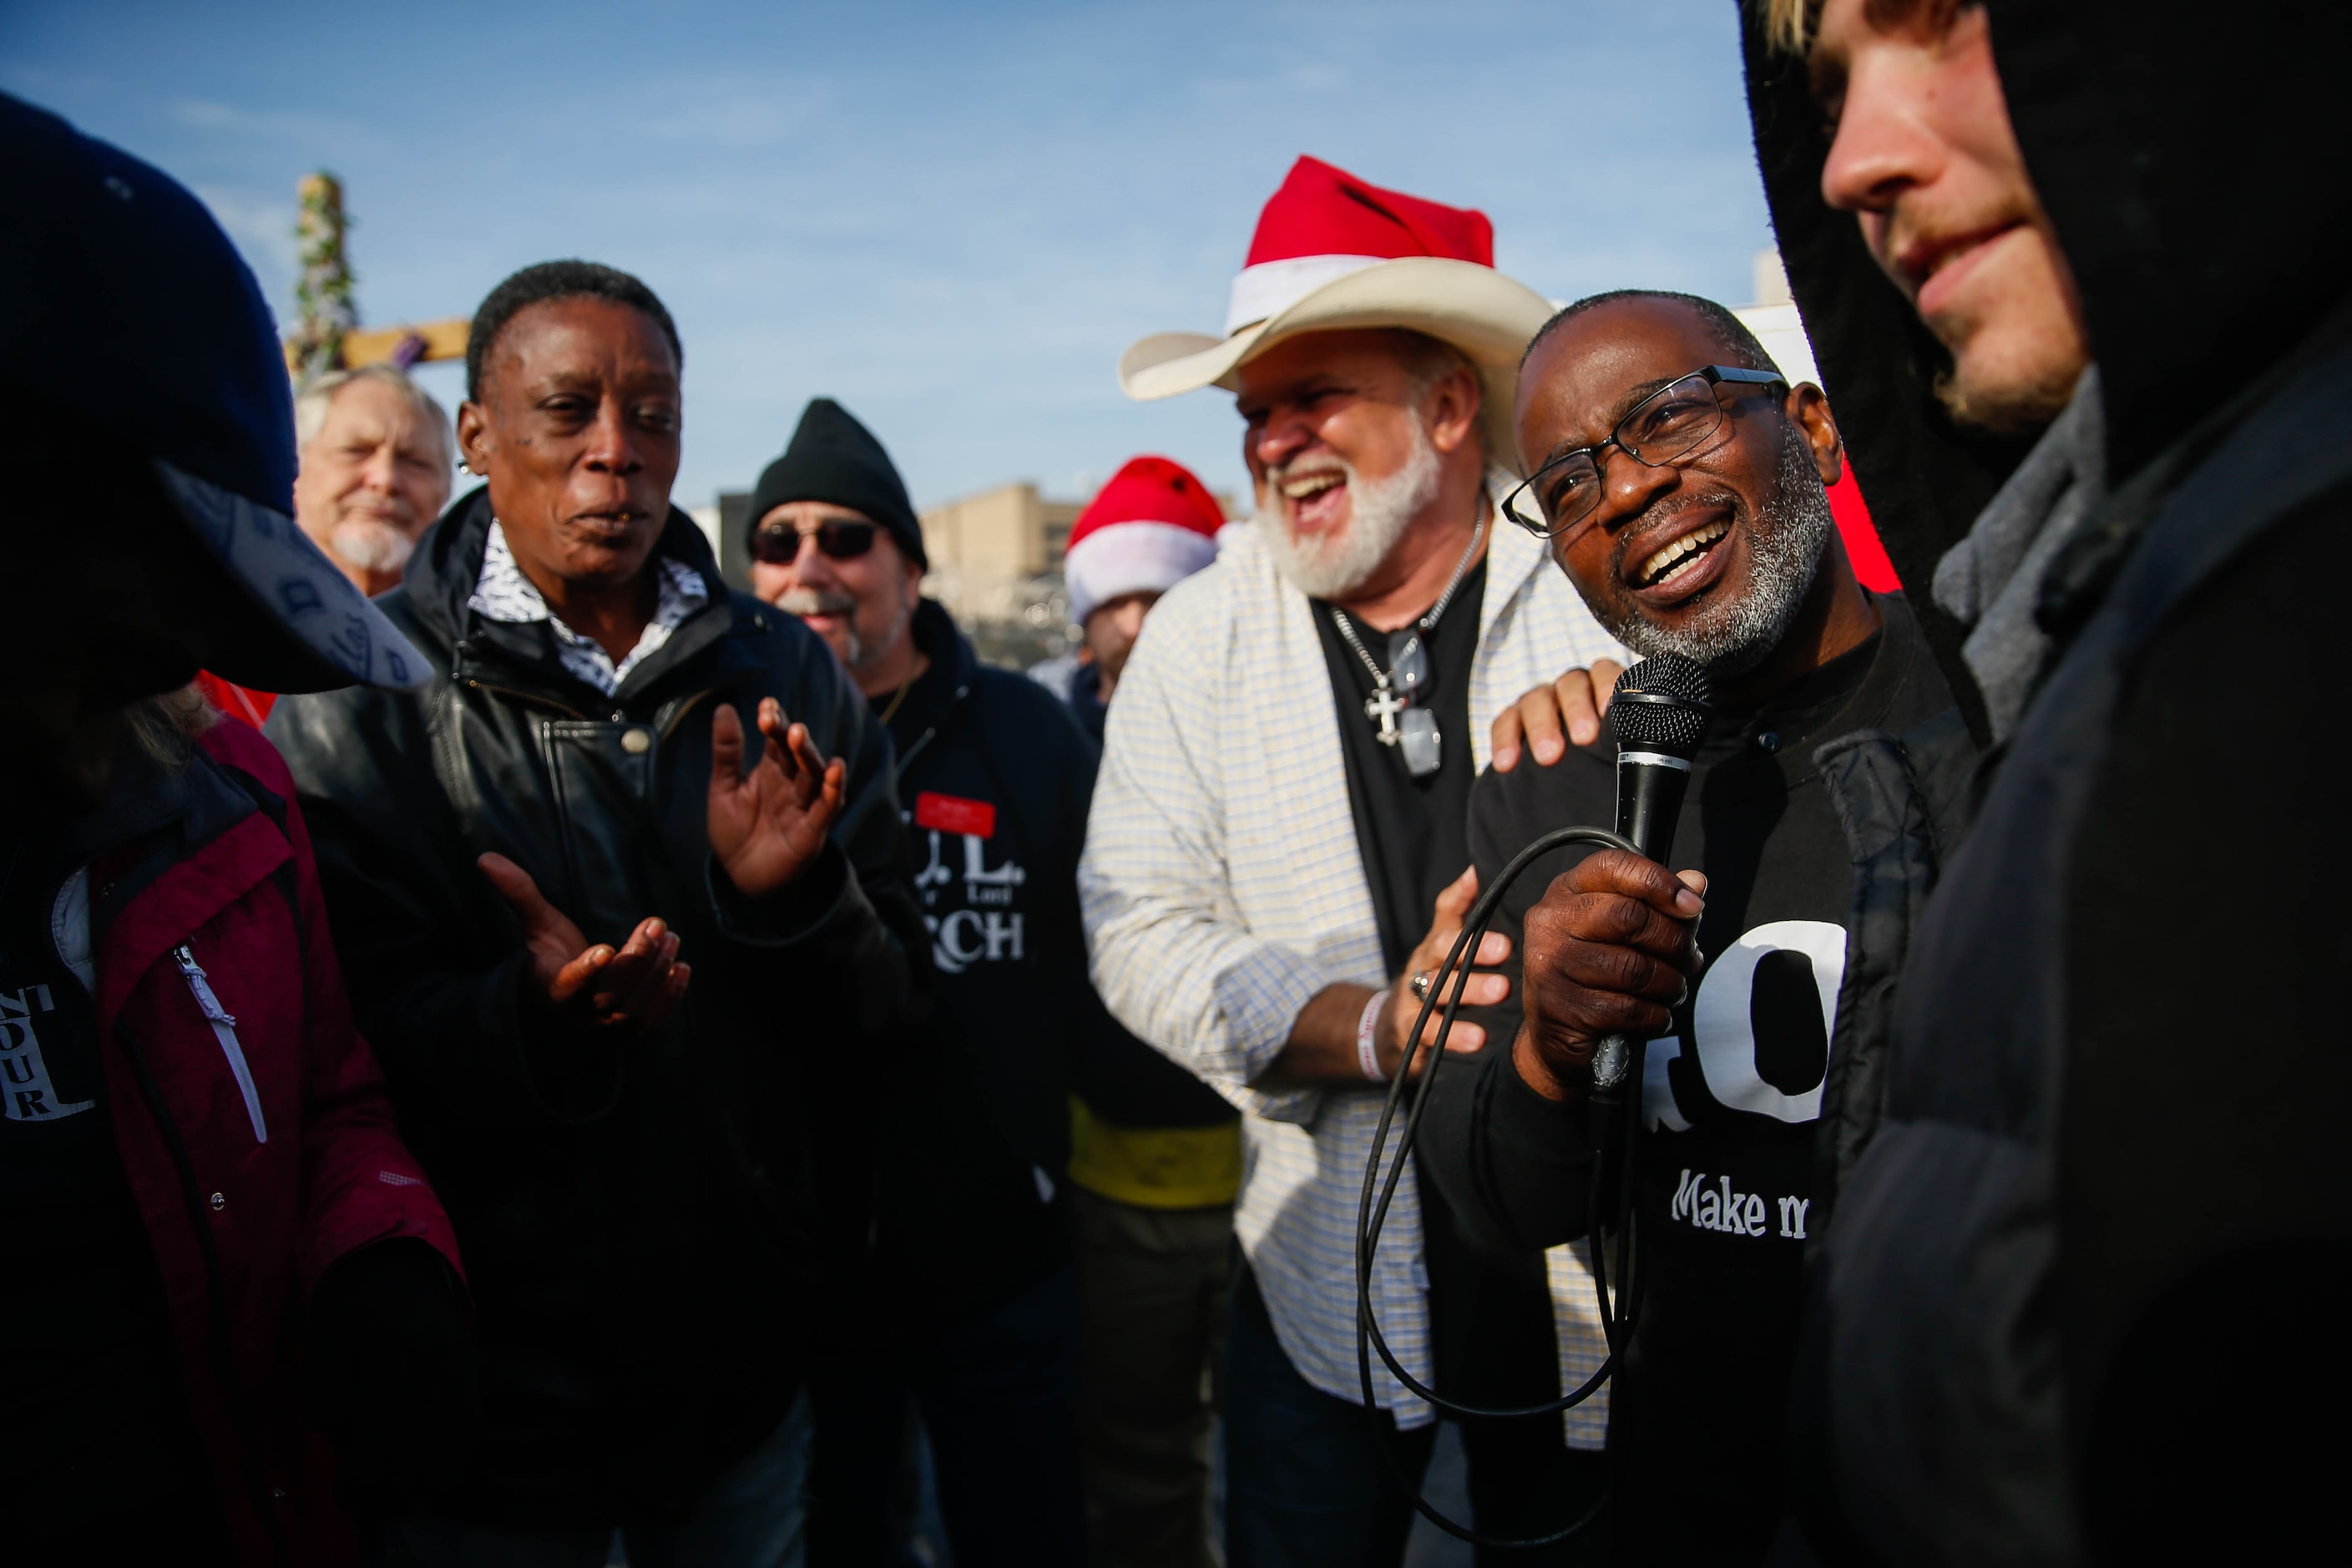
2084	1293
995	777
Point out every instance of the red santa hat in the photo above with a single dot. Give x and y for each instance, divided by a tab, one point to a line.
1151	527
1333	251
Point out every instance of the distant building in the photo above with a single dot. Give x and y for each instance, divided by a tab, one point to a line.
731	536
706	518
1773	319
987	549
996	565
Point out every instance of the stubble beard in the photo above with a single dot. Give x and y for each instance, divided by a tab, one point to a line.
2017	388
805	602
1379	513
2025	408
1786	540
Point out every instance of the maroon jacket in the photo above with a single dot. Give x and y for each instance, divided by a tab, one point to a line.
248	1195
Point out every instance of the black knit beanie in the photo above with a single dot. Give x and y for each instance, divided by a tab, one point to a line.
834	459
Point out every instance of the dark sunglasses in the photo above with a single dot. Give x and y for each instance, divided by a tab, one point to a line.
841	539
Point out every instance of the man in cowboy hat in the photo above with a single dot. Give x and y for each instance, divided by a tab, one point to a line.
1268	867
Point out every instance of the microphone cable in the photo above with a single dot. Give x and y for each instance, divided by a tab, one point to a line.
1659	714
1372	1215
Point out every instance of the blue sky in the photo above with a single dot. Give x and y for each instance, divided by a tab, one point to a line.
953	217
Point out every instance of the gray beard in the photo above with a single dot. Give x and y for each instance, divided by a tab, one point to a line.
1785	543
864	654
1379	512
373	546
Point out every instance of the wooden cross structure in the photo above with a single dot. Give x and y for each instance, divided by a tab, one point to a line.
329	336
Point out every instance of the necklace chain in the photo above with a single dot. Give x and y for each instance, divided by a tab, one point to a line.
1427	623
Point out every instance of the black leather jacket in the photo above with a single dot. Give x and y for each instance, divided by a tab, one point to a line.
639	1217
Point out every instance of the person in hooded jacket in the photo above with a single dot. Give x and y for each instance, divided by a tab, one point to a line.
220	1255
973	1307
2085	1290
614	762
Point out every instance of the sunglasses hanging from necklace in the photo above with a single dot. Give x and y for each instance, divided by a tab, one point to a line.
1396	690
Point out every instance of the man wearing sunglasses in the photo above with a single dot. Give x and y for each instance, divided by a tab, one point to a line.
974	1307
1678	479
817	512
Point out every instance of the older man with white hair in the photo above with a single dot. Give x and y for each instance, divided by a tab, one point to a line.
1278	846
377	455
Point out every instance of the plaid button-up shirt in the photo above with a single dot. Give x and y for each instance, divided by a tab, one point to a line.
1224	887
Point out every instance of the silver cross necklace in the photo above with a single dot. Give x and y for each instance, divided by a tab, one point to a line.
1395	688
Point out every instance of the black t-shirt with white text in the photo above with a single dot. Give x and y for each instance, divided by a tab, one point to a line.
1730	1097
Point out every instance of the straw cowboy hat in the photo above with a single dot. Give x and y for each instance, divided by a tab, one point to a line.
1332	251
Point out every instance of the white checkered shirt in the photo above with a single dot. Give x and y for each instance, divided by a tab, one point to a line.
1224	887
503	594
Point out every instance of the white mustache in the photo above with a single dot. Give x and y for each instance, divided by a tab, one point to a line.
814	602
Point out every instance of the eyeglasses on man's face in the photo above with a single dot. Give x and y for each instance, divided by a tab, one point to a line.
840	539
1667	426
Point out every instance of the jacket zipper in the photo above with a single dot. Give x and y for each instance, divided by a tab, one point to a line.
225	1031
687	705
263	1497
924	740
563	707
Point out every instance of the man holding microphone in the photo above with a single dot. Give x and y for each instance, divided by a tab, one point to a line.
1678	479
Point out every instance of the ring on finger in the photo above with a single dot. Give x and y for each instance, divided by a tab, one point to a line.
1421	983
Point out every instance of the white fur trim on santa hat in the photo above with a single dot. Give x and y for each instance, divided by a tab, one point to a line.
1131	558
1270	288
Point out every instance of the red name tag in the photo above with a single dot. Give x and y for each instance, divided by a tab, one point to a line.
953	814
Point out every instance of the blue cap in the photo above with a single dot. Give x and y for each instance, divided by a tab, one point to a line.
122	303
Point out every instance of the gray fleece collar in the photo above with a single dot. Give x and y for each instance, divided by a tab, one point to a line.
1992	580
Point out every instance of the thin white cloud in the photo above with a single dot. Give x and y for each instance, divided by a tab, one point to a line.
320	134
263	226
737	113
45	85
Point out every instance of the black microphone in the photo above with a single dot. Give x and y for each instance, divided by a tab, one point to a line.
1659	715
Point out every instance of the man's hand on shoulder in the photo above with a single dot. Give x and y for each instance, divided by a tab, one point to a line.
1610	947
1546	720
768	825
